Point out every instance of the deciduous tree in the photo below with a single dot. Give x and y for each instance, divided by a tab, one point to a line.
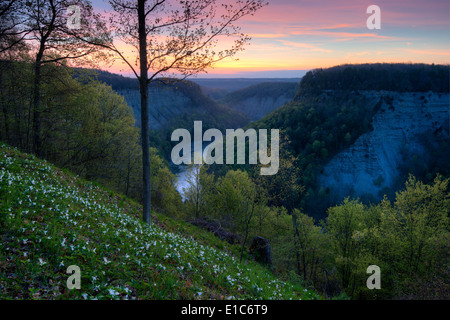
173	37
46	28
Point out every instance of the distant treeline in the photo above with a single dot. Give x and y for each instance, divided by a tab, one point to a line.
262	90
382	76
116	81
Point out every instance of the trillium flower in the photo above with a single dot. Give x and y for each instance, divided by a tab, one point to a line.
113	292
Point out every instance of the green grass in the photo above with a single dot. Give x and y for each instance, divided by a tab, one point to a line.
51	219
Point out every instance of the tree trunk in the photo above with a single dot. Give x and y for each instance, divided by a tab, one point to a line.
37	106
127	185
5	127
247	229
143	84
296	245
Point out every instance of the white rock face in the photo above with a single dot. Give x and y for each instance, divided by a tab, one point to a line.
372	162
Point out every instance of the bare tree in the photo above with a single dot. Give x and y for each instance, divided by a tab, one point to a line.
174	38
11	31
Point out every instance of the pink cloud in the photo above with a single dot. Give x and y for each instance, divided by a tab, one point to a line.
268	35
305	46
345	35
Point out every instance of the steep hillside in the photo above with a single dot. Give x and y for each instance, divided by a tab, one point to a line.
183	100
258	100
51	219
174	102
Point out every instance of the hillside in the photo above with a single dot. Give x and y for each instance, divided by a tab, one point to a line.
260	99
174	103
51	219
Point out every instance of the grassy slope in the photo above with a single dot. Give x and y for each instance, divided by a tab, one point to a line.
50	219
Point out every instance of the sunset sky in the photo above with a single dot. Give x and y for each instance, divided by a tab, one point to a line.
292	35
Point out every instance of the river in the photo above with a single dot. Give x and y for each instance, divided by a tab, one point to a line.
183	174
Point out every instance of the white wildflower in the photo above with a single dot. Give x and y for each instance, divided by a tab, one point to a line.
113	292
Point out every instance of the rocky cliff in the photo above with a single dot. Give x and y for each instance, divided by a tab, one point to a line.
373	162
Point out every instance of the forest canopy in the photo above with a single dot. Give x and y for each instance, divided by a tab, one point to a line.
400	77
